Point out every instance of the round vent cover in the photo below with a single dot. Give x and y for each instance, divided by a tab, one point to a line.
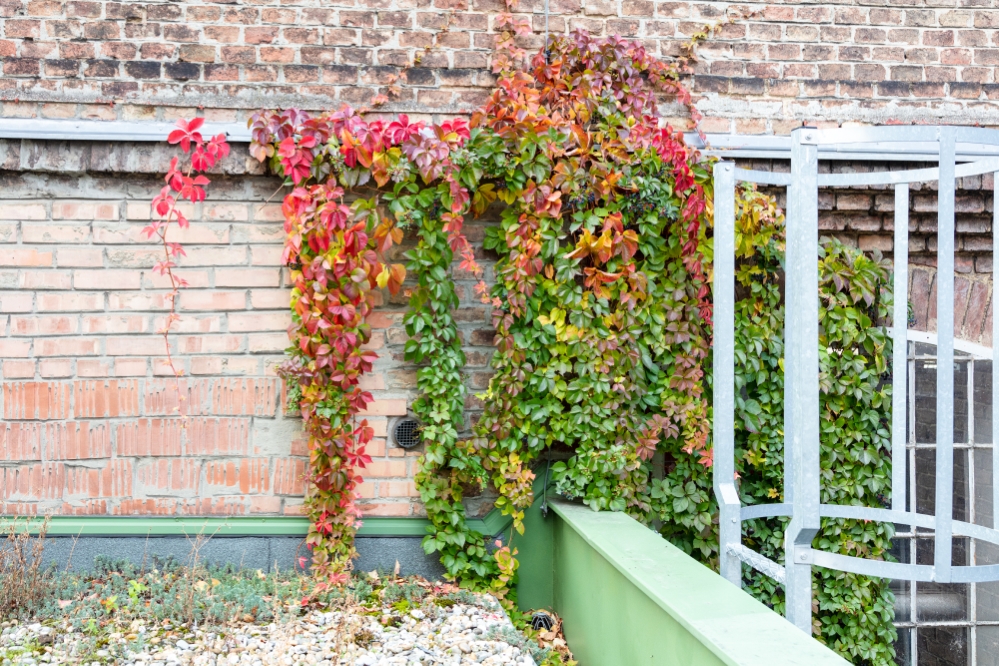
407	434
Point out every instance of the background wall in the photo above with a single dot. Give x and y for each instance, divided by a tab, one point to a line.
783	63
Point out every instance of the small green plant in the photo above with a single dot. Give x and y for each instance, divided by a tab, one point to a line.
135	591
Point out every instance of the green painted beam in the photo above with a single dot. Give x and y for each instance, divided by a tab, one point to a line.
491	525
626	596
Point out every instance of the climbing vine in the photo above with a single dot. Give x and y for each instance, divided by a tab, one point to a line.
602	309
185	182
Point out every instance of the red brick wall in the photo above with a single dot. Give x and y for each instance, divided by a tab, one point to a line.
88	406
785	63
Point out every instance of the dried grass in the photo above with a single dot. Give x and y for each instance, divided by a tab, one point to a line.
24	583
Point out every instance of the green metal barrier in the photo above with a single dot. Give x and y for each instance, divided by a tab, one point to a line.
629	598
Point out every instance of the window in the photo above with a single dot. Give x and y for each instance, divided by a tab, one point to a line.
948	624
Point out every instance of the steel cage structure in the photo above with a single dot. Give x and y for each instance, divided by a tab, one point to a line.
802	499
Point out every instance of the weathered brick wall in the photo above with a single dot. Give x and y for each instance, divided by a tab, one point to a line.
88	407
783	64
865	218
87	404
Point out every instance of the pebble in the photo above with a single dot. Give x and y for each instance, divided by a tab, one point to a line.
459	635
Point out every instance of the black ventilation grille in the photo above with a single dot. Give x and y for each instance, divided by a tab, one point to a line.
407	434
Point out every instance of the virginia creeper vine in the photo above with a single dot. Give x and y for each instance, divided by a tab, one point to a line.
187	185
602	311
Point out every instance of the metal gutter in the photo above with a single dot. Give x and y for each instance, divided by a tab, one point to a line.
222	526
41	129
717	145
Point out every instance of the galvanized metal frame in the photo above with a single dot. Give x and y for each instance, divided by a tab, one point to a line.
801	444
719	145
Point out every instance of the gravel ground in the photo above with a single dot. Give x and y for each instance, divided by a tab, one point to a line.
453	635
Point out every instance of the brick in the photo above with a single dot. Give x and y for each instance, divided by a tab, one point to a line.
197	53
22	211
288	476
178	477
386	407
54	368
247	475
79	257
40	401
40	481
15	348
112	480
214	301
44	325
65	346
244	397
107	398
149	437
386	509
107	279
18	369
69	301
20	441
28	257
76	440
16	301
217	436
247	277
54	233
259	321
101	30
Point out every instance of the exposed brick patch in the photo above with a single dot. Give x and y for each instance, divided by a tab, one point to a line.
239	397
107	398
36	400
149	437
288	476
21	441
217	436
76	440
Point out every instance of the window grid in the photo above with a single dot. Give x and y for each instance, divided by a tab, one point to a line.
921	357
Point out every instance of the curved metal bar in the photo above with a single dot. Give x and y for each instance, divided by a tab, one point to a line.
976	532
842	138
762	177
898	570
765	511
858	565
976	135
982	573
878	515
975	168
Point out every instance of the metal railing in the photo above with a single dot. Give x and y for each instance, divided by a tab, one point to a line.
802	502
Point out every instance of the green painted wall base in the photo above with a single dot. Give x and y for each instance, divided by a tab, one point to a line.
629	598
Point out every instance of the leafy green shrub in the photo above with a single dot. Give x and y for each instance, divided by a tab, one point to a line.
855	612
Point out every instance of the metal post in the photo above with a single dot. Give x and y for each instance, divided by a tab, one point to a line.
944	506
801	375
995	358
900	348
730	524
